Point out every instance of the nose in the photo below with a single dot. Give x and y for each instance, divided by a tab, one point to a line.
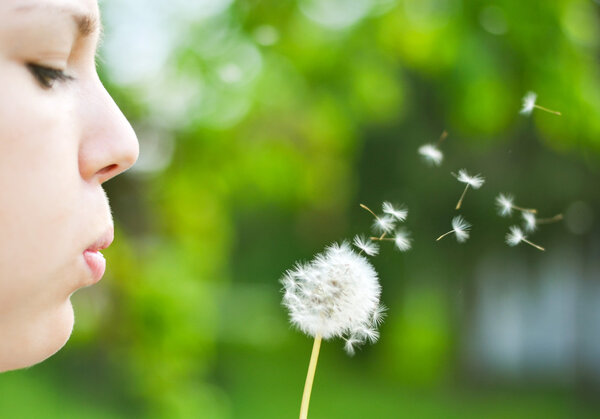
109	145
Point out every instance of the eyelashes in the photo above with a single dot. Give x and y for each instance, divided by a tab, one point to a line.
47	77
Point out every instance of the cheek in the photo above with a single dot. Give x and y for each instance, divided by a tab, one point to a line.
40	203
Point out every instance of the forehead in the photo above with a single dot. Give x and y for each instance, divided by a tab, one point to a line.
85	12
82	15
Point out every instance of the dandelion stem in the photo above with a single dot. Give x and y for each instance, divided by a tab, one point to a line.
462	197
534	245
531	210
363	206
547	110
442	138
312	367
554	219
381	238
444	235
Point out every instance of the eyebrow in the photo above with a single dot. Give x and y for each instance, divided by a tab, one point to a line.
86	23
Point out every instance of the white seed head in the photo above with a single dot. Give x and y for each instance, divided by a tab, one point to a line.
336	294
402	240
529	221
514	236
505	204
399	213
384	224
431	154
474	181
461	228
368	246
528	103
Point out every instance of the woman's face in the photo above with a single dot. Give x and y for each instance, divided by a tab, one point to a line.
61	137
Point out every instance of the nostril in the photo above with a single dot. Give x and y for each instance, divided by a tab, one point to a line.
108	169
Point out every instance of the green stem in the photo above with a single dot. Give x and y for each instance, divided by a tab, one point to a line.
310	376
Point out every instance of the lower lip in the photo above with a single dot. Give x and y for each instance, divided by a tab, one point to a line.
96	262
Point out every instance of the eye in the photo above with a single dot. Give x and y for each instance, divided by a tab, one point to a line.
47	76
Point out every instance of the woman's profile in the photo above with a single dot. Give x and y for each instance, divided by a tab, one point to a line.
61	138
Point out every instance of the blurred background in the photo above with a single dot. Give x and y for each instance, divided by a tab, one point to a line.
263	124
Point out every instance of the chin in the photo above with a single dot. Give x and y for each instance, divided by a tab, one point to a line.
39	339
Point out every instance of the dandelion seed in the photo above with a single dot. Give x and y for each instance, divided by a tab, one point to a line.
505	202
516	236
399	213
385	224
550	220
529	222
402	240
350	344
460	227
529	104
474	182
378	315
431	152
368	246
505	205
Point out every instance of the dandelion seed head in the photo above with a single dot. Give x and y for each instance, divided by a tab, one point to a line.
431	154
474	181
368	246
461	228
528	103
399	213
529	221
514	236
384	224
402	240
505	204
335	295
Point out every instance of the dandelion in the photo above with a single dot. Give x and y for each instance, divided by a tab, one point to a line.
399	213
431	152
368	246
473	181
335	295
460	227
529	104
505	205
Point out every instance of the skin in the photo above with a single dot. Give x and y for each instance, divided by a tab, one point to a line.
58	145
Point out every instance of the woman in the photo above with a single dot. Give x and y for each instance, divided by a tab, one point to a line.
61	137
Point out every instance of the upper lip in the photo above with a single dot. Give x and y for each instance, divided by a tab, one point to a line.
103	241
